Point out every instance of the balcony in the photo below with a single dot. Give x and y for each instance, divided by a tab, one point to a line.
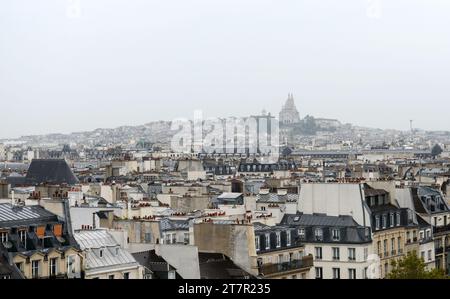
441	229
270	269
440	249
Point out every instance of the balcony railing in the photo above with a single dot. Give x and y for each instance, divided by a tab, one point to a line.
269	269
441	229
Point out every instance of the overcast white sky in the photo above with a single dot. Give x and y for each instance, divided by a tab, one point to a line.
129	62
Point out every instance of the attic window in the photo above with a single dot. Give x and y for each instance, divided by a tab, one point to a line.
336	234
296	219
301	233
4	237
319	234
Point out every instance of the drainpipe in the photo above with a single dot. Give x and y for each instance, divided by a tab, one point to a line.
93	220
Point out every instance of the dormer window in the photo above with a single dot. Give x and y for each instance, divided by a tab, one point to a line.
23	236
336	234
278	239
384	220
301	233
4	237
257	243
288	238
377	222
391	224
267	241
318	234
398	219
410	216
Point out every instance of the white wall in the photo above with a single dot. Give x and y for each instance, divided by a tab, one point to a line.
334	199
183	257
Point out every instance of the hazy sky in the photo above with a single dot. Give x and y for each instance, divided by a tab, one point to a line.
128	62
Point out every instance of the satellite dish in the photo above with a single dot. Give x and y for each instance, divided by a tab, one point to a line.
8	245
60	239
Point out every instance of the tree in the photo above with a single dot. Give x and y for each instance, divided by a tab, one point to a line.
436	150
413	267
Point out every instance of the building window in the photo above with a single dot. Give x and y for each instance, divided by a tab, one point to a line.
391	224
288	238
351	273
280	259
186	238
126	275
35	268
398	219
429	255
53	266
167	238
318	251
278	234
336	254
385	247
4	237
111	277
319	273
267	241
20	266
379	247
428	233
352	254
171	275
336	273
23	236
384	220
335	232
174	238
301	254
377	222
422	255
421	235
318	234
410	216
365	273
301	233
148	237
257	243
393	246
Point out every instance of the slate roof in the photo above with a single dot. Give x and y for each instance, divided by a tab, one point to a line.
277	198
14	215
318	220
52	171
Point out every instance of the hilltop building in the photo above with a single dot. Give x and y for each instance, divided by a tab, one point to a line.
289	113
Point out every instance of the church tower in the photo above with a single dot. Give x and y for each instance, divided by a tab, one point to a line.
289	113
